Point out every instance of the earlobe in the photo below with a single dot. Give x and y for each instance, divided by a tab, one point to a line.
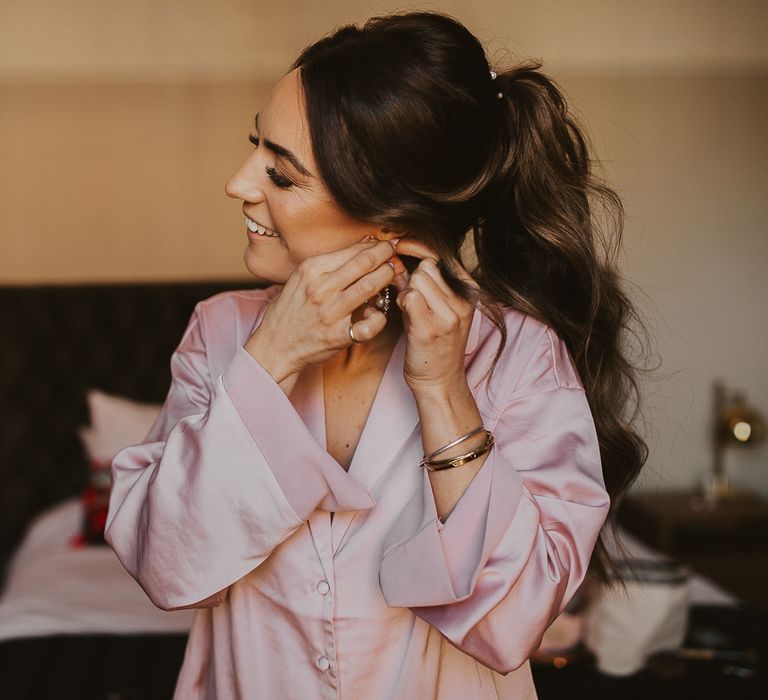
384	234
391	234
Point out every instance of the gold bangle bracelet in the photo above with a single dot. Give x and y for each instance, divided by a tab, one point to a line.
459	460
480	428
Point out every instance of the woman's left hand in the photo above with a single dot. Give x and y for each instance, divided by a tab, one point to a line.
436	321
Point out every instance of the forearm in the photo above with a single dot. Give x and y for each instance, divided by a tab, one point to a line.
446	415
209	451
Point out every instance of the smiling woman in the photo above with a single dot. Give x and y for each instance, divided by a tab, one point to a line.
391	501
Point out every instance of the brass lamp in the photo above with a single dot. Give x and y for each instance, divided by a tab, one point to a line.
735	423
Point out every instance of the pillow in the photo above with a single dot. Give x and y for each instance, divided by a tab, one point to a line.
116	422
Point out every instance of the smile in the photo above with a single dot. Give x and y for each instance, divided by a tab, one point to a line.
253	227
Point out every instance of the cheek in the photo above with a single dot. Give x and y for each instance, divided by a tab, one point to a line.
303	235
310	227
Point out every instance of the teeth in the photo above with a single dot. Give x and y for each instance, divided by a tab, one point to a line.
253	227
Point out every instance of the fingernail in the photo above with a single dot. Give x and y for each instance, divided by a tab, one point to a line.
389	262
394	242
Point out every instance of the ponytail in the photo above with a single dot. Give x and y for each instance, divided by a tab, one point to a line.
540	251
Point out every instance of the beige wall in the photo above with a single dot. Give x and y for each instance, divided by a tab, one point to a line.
121	181
116	138
688	154
245	39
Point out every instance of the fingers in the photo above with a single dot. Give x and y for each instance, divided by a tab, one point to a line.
337	269
362	273
428	266
401	281
427	295
409	246
372	323
413	303
431	291
362	290
335	259
365	258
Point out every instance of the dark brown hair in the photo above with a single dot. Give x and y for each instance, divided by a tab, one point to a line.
409	132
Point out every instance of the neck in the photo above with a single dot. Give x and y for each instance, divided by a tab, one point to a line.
359	357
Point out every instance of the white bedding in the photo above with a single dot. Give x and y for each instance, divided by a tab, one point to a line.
53	588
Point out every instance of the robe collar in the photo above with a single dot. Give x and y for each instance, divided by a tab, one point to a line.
391	423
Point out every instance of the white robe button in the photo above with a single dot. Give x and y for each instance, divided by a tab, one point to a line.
323	664
323	587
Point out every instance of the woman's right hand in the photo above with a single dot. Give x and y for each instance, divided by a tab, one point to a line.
308	321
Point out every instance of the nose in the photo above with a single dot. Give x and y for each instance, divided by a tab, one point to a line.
243	184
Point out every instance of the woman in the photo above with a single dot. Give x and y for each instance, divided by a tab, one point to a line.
382	476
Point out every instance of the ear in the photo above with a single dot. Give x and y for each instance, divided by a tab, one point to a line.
399	232
386	234
383	234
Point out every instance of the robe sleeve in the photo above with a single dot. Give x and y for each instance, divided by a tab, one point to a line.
226	473
517	544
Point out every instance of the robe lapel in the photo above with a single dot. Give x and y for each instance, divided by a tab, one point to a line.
390	424
391	421
393	416
307	398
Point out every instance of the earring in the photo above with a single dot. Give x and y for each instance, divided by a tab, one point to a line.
381	300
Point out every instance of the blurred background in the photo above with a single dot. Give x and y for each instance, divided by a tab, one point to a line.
120	123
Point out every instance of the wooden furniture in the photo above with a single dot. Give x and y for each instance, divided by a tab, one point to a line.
728	543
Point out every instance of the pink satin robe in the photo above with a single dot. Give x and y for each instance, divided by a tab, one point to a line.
225	507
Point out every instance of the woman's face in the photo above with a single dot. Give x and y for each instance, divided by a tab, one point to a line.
281	191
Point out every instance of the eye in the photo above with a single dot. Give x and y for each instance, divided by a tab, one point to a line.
278	179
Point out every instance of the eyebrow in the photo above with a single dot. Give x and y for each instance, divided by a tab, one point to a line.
282	152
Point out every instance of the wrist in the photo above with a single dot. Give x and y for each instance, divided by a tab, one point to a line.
273	362
456	390
446	414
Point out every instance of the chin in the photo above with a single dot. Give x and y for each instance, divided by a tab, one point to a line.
257	269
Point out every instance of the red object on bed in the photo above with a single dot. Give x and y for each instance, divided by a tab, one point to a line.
95	504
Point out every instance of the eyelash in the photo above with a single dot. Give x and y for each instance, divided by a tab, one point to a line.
279	180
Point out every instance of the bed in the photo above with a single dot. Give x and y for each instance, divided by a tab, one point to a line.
73	623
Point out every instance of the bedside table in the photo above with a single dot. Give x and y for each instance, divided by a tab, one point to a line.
728	544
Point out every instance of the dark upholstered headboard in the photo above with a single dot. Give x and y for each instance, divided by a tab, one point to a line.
55	343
